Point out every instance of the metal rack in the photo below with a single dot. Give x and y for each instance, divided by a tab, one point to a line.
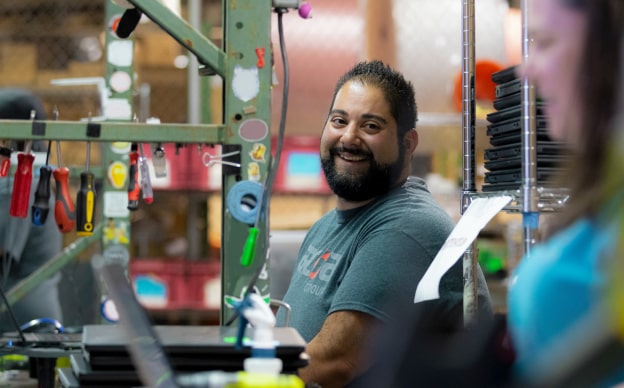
529	200
247	46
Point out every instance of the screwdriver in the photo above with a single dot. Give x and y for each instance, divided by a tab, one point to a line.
146	182
64	211
5	160
133	184
85	200
23	179
41	204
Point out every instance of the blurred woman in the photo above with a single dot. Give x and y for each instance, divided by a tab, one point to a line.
576	64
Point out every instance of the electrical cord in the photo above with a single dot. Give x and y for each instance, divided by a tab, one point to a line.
270	178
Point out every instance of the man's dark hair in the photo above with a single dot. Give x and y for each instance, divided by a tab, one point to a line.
398	91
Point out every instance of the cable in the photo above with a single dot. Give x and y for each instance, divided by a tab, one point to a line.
11	315
270	178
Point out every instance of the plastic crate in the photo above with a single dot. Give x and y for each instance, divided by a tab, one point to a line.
204	278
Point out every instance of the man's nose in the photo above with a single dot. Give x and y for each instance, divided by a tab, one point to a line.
350	136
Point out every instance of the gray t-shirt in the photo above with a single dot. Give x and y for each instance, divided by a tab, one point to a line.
370	259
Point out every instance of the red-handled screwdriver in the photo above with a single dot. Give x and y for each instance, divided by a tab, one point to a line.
133	184
64	211
22	183
5	161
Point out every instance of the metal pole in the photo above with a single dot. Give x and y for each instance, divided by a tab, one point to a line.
194	111
52	266
530	215
194	117
468	161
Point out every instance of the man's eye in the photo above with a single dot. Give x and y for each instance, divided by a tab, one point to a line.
338	121
372	126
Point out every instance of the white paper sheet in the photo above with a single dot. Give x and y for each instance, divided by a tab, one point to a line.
475	218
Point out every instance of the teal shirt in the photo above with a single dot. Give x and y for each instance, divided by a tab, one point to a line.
555	287
370	259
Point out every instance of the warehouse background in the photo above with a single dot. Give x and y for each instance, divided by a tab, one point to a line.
42	41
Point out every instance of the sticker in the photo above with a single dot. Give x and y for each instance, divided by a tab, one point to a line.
257	152
120	147
116	204
119	53
117	174
253	171
115	253
253	130
120	81
116	231
232	300
260	53
118	108
245	83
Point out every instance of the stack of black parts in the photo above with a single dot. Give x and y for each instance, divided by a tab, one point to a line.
504	158
105	361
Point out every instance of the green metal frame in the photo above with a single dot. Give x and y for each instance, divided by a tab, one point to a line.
246	46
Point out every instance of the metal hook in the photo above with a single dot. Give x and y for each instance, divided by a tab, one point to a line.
210	160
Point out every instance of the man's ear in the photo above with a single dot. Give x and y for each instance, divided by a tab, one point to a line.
411	141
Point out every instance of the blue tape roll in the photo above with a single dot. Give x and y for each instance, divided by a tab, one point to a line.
243	201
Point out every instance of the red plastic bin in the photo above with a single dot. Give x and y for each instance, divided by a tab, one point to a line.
204	278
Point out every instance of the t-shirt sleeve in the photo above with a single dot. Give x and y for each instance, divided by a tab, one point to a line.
383	273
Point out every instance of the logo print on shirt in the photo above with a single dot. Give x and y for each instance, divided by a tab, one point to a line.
317	266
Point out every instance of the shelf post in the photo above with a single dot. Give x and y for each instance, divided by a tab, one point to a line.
530	196
470	257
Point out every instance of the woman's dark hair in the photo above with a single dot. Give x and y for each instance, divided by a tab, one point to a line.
599	80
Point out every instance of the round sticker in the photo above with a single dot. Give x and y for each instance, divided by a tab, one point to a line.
253	130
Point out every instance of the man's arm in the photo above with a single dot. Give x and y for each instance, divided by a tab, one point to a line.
338	353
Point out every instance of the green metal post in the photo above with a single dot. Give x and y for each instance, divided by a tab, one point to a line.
247	89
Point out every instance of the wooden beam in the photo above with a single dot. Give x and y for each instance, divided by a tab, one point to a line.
379	31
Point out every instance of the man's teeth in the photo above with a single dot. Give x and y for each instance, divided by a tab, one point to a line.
352	158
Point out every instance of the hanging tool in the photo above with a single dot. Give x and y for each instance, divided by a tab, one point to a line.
23	179
159	161
133	185
128	22
85	200
41	204
64	210
5	160
146	182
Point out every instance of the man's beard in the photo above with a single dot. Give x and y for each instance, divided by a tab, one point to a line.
378	180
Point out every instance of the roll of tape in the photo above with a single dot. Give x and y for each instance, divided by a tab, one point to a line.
243	201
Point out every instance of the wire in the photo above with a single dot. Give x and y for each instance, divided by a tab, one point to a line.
270	178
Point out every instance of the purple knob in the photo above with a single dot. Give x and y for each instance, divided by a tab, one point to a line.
305	10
